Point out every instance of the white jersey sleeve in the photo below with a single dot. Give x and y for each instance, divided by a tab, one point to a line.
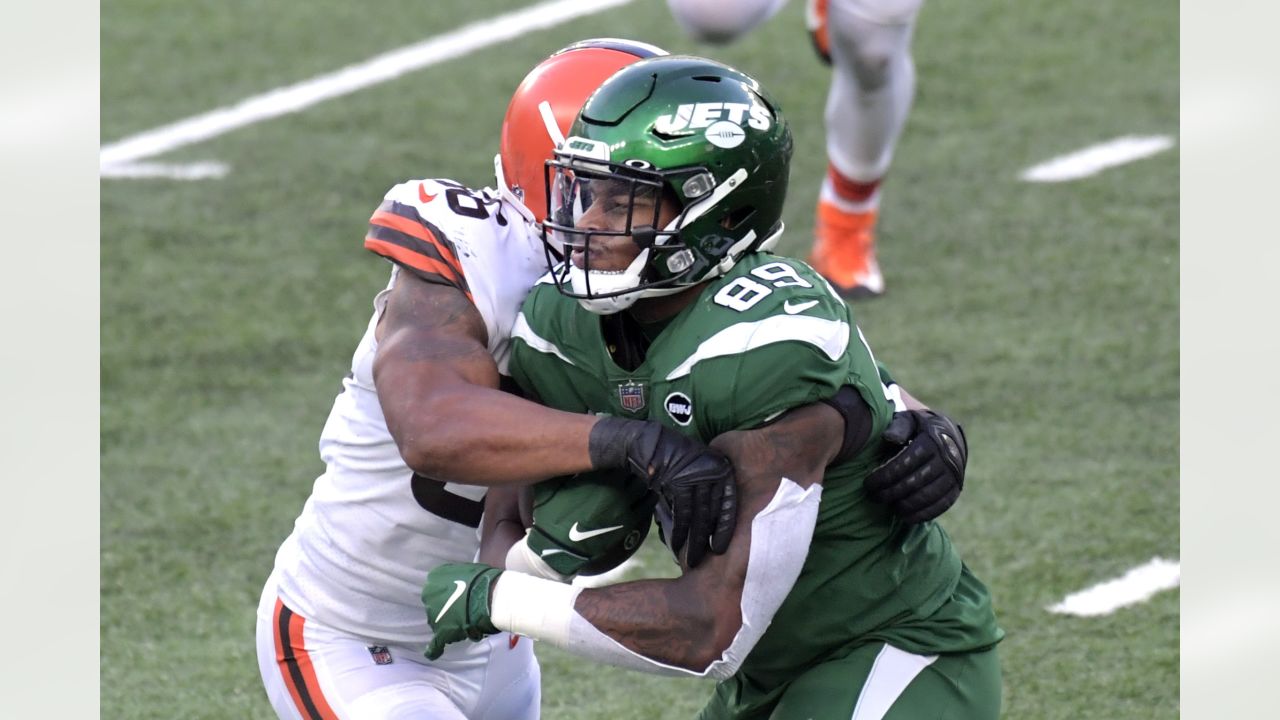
446	233
372	529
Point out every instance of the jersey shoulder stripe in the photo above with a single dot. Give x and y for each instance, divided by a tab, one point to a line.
522	331
831	337
399	233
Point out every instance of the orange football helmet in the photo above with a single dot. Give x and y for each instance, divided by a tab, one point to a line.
543	109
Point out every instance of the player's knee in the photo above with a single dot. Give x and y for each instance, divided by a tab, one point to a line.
871	56
872	69
721	21
873	50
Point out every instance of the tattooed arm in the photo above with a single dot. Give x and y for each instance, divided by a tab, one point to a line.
438	387
694	624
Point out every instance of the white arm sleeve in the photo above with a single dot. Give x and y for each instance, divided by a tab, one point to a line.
780	536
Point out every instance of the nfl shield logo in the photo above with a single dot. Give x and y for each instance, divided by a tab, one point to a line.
381	655
631	395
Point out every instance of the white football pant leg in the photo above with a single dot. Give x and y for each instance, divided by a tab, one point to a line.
872	85
722	21
272	680
512	688
488	680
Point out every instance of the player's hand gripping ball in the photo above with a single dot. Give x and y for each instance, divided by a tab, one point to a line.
456	597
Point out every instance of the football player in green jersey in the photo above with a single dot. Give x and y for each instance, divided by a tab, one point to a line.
664	202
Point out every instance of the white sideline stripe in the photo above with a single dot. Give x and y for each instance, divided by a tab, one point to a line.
1096	158
191	171
1137	585
379	69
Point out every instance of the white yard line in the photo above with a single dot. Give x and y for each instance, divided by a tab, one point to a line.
379	69
1096	158
189	171
1138	585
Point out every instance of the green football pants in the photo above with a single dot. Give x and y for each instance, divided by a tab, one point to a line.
877	682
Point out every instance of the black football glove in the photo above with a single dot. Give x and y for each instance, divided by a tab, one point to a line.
694	483
925	477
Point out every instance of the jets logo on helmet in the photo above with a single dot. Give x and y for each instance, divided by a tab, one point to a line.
704	114
670	131
725	134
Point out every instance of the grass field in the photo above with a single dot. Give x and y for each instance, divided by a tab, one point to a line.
1043	316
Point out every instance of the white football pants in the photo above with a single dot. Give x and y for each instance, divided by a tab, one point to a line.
312	672
873	82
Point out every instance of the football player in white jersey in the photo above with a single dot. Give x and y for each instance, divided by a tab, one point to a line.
868	45
421	424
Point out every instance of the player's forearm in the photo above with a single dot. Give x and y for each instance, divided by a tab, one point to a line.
894	389
697	621
664	620
501	526
702	624
910	400
483	436
546	610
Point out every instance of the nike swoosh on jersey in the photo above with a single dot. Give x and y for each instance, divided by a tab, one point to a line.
457	593
577	535
423	195
798	307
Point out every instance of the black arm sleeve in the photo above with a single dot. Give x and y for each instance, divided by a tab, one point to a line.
857	421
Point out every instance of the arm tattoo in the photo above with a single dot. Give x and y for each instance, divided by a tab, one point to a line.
690	621
456	330
653	618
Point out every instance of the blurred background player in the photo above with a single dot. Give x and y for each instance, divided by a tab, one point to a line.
868	45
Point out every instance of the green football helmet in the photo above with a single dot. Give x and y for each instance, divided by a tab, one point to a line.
678	128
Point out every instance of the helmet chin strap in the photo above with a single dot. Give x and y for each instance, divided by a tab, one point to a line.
603	282
617	303
506	193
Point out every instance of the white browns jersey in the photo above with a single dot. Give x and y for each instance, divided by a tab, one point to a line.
360	551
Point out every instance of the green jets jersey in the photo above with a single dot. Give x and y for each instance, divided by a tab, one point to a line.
768	336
